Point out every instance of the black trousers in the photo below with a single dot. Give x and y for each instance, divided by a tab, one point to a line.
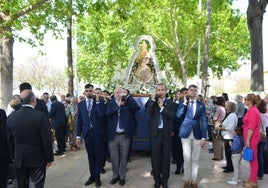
3	174
177	151
228	155
31	177
161	151
60	138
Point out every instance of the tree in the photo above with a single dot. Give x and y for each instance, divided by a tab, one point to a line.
255	12
175	26
70	50
39	16
37	71
206	49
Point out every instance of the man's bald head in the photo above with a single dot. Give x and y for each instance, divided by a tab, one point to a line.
28	97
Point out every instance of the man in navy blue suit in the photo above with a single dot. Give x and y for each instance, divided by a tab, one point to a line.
193	134
91	127
121	127
58	123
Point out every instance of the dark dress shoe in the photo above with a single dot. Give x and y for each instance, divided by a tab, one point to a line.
114	181
157	185
215	159
58	153
224	167
228	170
165	185
103	171
90	181
177	171
97	182
152	173
122	182
211	150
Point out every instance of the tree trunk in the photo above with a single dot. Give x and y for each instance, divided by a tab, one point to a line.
183	71
70	55
254	18
6	70
206	51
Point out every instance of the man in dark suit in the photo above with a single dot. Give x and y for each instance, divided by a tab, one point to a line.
4	150
40	104
162	113
193	132
177	151
91	127
29	129
58	121
121	127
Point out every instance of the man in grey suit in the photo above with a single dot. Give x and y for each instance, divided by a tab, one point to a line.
193	132
162	112
29	130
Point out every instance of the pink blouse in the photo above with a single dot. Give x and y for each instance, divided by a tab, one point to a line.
220	114
252	120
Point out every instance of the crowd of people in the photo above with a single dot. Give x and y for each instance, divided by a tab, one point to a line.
105	123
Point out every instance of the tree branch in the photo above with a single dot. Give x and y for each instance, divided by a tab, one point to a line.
164	42
263	4
188	51
28	9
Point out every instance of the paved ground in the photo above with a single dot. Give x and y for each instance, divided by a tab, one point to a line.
71	171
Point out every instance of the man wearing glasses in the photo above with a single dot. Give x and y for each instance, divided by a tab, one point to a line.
91	126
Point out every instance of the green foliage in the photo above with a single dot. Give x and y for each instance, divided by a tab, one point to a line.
49	16
106	35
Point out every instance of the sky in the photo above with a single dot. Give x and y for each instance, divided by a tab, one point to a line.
55	50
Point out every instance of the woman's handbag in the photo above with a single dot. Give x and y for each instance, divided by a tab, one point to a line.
247	154
218	136
217	125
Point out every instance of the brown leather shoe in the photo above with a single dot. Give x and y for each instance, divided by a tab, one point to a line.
251	184
245	181
194	185
186	184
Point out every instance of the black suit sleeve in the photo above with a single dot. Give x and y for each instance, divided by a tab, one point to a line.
150	106
169	110
46	138
4	153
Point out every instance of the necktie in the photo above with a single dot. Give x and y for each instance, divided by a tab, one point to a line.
88	107
160	120
89	111
192	107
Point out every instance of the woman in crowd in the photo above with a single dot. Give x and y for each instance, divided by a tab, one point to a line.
218	118
251	134
227	127
266	117
210	110
262	109
240	109
72	122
